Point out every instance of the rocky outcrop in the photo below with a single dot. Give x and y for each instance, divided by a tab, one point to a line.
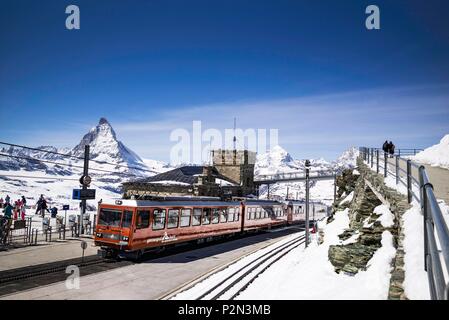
369	192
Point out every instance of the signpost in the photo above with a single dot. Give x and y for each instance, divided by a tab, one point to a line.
65	208
84	247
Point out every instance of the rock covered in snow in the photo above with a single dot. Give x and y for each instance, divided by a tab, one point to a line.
437	155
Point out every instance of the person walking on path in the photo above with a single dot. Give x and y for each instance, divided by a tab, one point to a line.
391	148
7	199
385	146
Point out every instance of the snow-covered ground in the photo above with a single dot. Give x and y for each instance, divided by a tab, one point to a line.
307	273
437	155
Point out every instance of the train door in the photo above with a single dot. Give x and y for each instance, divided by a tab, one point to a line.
242	216
289	213
141	226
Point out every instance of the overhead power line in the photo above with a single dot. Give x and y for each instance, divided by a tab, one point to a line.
68	165
74	157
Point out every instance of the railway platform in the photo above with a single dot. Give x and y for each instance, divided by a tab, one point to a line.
45	252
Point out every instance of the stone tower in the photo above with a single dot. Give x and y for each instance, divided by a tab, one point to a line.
237	165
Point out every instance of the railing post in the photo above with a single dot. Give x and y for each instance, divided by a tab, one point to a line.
377	161
397	169
409	181
372	157
385	164
399	151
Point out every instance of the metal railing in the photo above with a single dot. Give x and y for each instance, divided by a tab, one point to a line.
402	152
436	232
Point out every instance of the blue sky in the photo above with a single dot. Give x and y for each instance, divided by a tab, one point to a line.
307	68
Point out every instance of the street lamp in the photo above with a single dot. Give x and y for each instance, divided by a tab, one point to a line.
307	165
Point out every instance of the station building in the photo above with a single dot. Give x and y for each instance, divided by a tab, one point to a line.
230	175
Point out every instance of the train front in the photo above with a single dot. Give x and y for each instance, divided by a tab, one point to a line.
113	229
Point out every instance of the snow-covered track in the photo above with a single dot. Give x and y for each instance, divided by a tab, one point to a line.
234	284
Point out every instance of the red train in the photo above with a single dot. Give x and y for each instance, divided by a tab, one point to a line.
128	228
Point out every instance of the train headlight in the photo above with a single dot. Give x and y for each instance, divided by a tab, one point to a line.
99	235
125	238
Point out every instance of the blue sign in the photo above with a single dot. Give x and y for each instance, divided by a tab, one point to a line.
83	194
76	195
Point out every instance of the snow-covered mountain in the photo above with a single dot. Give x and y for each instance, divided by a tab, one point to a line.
55	175
437	155
278	160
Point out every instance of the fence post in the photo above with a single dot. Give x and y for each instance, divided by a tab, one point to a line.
409	181
385	165
397	169
372	157
377	161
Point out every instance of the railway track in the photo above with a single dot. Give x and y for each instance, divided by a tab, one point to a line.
232	285
16	280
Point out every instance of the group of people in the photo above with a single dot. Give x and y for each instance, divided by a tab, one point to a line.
14	210
388	147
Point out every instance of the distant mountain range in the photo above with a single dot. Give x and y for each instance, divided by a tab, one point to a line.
113	163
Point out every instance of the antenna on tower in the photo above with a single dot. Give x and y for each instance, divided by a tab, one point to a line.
235	139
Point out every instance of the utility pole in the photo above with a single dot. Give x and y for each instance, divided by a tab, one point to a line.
307	164
286	198
85	181
335	188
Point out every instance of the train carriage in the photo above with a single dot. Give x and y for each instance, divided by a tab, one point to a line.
128	228
134	226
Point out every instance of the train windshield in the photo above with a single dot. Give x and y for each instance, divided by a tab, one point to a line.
110	217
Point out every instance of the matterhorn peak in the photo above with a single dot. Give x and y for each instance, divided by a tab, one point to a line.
104	121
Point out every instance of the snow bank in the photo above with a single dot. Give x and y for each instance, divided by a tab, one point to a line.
348	198
437	155
386	217
416	285
307	273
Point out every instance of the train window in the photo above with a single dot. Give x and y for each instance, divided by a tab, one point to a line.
109	217
127	219
158	219
215	215
231	214
223	215
197	217
185	217
237	214
143	219
173	218
259	213
206	215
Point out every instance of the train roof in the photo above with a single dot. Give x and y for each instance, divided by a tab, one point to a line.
162	203
186	202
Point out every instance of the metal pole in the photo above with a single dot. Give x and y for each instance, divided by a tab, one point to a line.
385	164
307	207
409	181
85	173
287	194
377	161
372	157
268	196
335	188
397	169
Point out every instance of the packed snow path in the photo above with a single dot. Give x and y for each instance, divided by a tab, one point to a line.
439	177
